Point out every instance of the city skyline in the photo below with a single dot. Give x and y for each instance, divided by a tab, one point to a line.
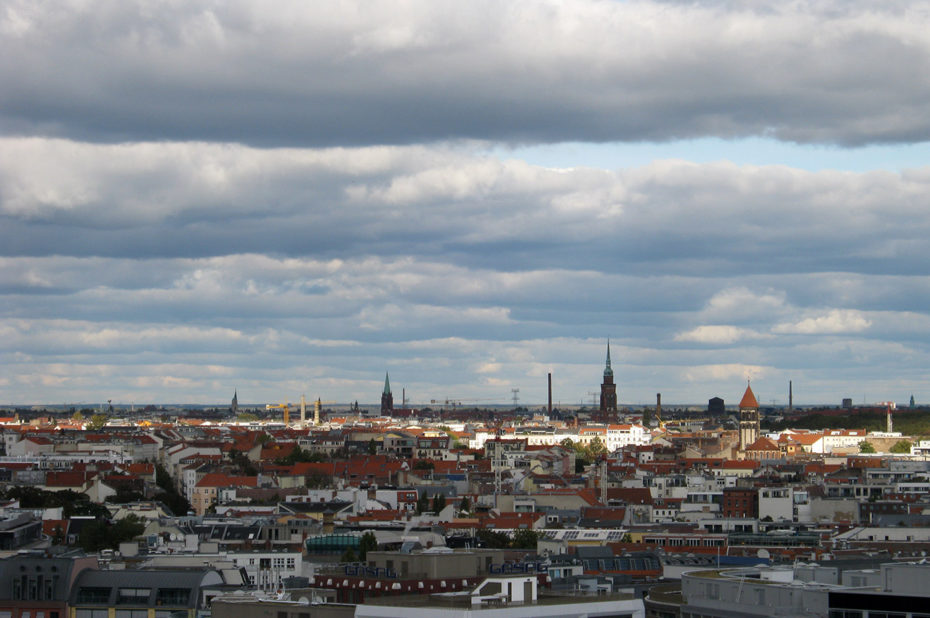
196	199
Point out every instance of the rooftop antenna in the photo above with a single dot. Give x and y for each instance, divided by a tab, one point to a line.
516	397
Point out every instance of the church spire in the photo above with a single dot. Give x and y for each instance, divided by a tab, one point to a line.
607	370
387	399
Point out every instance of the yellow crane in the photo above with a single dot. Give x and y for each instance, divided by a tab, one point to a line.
282	406
317	408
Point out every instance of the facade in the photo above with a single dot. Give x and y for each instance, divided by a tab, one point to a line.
161	593
608	388
34	586
823	591
740	502
505	597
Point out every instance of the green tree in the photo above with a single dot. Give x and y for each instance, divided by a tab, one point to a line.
97	422
866	447
368	542
493	539
348	556
125	495
439	503
422	503
464	505
169	494
901	446
372	447
524	539
596	448
103	534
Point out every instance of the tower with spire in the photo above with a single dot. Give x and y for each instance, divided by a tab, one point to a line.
749	428
234	404
387	399
608	388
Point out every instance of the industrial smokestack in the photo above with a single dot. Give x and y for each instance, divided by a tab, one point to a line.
550	393
790	395
658	406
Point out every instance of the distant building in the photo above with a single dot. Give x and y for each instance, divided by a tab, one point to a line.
847	403
234	406
608	388
715	405
748	419
387	399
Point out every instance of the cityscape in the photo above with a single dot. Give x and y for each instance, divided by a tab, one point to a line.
349	510
543	308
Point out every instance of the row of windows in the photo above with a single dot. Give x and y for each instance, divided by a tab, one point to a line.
99	595
127	613
29	614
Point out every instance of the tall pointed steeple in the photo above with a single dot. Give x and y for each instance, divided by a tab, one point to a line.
607	370
387	399
608	388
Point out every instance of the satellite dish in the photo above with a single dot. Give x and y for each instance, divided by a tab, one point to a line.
763	554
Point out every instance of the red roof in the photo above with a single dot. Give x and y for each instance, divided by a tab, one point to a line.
224	480
49	526
749	399
762	444
66	478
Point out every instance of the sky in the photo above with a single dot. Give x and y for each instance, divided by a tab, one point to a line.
202	198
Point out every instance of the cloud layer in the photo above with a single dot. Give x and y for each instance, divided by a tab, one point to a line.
193	268
348	73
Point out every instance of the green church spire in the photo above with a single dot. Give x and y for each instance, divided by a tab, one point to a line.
607	370
387	384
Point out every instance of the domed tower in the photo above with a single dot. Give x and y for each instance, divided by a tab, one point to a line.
748	419
608	388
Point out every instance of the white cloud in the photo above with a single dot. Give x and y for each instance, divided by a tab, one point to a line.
831	322
724	372
718	334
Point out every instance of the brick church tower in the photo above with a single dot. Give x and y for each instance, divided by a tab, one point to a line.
608	388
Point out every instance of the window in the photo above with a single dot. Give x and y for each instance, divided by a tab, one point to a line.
93	596
173	596
132	613
134	596
91	613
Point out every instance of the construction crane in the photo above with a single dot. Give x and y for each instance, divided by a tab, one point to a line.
281	406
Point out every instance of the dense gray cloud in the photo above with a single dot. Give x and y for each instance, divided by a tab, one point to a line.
669	217
354	73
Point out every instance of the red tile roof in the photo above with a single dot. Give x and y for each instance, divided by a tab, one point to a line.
216	479
749	399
